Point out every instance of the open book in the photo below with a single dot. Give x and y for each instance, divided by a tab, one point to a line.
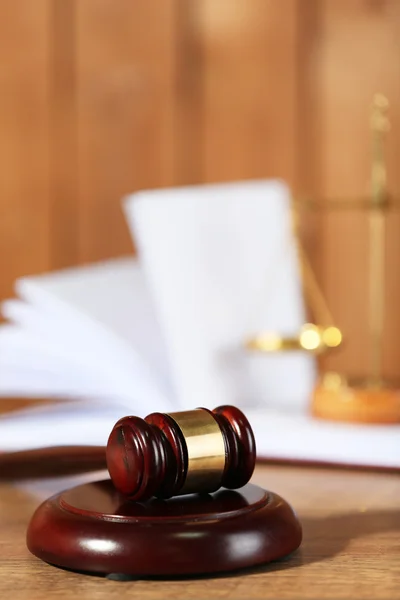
165	332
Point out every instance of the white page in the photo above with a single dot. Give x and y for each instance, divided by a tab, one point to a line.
36	361
295	435
102	316
45	331
63	424
111	294
30	366
221	265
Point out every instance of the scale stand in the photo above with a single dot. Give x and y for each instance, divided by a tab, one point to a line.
371	399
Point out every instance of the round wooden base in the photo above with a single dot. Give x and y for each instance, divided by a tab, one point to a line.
92	528
357	404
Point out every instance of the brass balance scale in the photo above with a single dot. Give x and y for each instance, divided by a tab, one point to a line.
371	400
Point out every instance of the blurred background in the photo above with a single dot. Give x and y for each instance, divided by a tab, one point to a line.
100	98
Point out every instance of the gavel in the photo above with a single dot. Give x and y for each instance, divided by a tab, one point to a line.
162	455
195	451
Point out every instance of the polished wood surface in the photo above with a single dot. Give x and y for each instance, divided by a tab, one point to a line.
351	527
92	528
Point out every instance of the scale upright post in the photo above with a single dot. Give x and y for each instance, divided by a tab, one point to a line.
379	202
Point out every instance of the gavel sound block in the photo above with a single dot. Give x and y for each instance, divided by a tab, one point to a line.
178	503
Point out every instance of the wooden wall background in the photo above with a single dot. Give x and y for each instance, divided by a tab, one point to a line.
102	97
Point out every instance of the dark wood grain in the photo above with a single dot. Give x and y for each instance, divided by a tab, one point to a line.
92	528
138	459
175	450
240	445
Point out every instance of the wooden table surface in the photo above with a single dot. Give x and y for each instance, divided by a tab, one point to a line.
351	547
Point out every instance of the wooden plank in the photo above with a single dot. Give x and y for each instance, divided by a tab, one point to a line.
189	99
249	76
24	140
126	113
63	135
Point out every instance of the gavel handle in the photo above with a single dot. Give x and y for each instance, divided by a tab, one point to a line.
56	461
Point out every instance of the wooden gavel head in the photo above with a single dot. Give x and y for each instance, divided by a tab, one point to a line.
196	451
